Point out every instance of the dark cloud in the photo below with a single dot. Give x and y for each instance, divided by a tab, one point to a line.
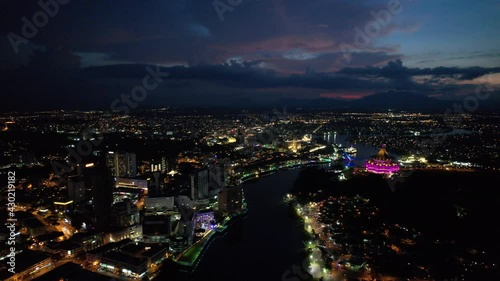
172	32
262	50
54	61
242	75
396	70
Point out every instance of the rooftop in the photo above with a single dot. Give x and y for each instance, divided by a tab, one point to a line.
25	259
154	250
49	236
110	246
73	272
382	154
80	236
123	258
33	223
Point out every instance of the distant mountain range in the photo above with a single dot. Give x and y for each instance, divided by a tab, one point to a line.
398	101
98	87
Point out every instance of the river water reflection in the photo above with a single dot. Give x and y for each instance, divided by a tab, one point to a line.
261	246
268	242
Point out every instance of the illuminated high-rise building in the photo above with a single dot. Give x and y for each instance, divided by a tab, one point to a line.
199	184
122	164
218	171
159	165
230	199
76	189
155	166
164	164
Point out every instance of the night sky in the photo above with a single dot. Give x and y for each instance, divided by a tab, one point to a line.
237	52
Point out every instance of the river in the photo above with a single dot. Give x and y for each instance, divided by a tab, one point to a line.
364	152
268	242
262	246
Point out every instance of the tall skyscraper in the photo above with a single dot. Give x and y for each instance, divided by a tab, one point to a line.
156	166
101	182
157	185
240	136
199	184
218	171
215	175
76	189
122	164
164	165
230	199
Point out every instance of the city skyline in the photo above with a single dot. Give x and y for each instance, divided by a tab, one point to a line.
165	194
222	140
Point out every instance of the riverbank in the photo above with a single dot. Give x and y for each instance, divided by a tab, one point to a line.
264	245
363	230
313	262
189	259
283	167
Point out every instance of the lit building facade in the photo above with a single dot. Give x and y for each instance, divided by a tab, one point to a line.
199	184
204	220
122	164
230	199
159	204
382	163
156	229
131	183
133	232
124	214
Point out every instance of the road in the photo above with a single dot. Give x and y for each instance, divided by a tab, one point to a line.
310	213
